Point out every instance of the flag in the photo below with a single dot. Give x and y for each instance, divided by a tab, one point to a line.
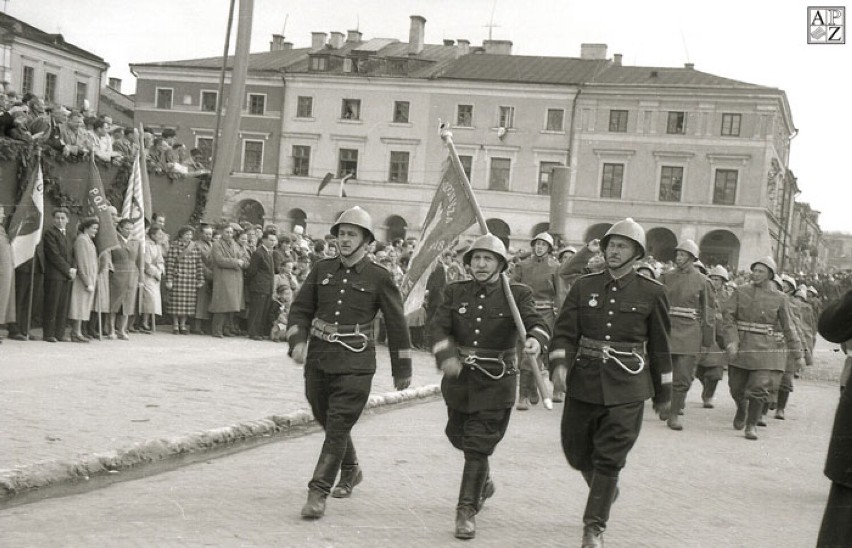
450	214
324	182
28	221
134	202
98	206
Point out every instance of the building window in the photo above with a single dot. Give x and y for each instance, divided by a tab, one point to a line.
82	94
398	167
351	109
555	119
467	165
164	98
348	163
252	156
731	124
545	176
301	160
507	117
676	124
305	107
612	180
500	170
256	104
28	80
725	189
465	116
400	112
51	82
209	100
205	145
319	64
671	183
618	121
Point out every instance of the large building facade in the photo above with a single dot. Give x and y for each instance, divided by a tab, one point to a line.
686	153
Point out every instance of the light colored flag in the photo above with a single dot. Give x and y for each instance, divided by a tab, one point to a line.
27	223
134	203
450	214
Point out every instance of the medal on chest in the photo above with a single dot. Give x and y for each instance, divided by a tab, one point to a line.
593	300
463	308
327	278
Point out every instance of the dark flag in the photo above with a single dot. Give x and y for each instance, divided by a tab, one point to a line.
324	182
98	206
450	214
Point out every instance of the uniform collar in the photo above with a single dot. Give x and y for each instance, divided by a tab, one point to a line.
688	268
359	266
622	281
541	259
488	288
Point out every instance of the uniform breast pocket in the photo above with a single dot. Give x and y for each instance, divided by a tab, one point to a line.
499	314
328	291
363	297
642	309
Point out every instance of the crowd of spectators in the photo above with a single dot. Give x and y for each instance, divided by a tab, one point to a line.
78	133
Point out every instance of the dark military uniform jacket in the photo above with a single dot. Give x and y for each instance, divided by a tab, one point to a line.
342	297
475	317
630	311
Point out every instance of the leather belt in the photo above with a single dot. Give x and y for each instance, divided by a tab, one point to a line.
607	350
544	305
491	363
758	328
684	312
355	338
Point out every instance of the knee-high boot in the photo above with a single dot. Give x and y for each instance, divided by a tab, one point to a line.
601	494
755	409
678	400
350	473
473	481
320	485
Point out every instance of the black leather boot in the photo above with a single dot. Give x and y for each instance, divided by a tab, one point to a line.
755	410
740	417
708	392
783	396
601	494
320	485
350	476
473	483
678	400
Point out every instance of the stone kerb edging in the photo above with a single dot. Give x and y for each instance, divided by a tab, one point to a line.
51	473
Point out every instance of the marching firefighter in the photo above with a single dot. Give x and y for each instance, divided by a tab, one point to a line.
712	361
474	336
539	273
803	320
335	308
611	347
749	322
692	308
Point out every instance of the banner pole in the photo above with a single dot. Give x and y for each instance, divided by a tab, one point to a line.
35	255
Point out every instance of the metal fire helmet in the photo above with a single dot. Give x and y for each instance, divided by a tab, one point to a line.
627	228
719	271
786	278
487	242
358	217
544	237
690	247
567	249
768	262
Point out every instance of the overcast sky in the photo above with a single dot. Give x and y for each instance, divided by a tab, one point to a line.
757	41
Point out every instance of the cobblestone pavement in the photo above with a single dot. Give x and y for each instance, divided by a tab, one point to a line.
703	487
59	401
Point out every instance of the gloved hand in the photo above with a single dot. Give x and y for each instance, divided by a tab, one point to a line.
732	350
560	383
300	353
401	384
451	367
663	409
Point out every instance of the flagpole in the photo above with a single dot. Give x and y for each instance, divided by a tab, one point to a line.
35	254
447	136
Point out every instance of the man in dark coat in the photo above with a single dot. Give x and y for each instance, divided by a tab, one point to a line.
59	272
261	278
835	325
474	336
335	308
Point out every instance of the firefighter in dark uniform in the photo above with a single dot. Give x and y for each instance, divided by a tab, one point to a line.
474	334
611	348
692	307
836	529
334	310
539	273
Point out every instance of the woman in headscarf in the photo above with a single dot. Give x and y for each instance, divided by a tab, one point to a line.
153	268
184	275
83	287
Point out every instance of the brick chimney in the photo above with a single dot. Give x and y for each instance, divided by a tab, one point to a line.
593	51
277	41
616	59
336	40
353	36
416	34
317	40
464	47
498	47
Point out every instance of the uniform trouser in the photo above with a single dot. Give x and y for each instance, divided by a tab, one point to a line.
258	314
597	437
478	432
786	384
757	384
683	373
336	400
56	301
706	373
836	528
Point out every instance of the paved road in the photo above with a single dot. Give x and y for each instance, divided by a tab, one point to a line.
705	486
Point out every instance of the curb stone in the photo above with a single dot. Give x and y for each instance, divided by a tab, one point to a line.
25	479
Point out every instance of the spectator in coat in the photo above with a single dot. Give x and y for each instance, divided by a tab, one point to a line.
205	292
153	269
124	281
261	281
83	287
59	272
227	266
184	277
